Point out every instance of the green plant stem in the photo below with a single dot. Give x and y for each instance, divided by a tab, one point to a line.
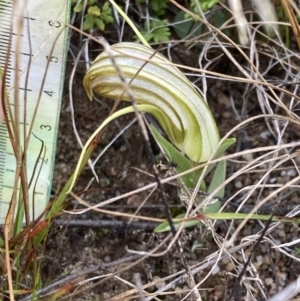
130	23
194	221
240	216
57	206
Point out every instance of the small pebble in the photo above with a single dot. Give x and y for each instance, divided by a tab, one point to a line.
280	180
257	265
216	270
123	148
225	260
229	267
259	259
238	184
247	181
107	258
247	231
281	278
269	281
292	173
218	294
158	283
227	115
273	289
267	259
283	173
265	135
248	157
134	200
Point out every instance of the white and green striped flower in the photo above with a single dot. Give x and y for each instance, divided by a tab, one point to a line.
160	89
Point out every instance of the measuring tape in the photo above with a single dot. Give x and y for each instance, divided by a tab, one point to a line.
44	23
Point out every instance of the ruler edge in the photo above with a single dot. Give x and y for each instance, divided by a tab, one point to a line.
65	35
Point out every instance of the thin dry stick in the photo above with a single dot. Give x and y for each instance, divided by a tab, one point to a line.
8	227
90	163
269	197
293	20
169	179
288	112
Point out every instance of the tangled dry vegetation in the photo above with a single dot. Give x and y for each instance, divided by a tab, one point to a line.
103	246
253	93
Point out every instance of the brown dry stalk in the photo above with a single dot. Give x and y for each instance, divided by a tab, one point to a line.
293	20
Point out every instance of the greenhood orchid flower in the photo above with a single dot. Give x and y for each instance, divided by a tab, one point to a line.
161	89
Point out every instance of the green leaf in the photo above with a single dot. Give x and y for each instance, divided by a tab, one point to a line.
94	11
161	35
164	227
242	216
148	36
224	146
91	2
89	22
186	26
221	150
220	18
159	6
197	244
180	162
205	5
158	31
78	7
106	15
106	7
107	19
217	179
100	24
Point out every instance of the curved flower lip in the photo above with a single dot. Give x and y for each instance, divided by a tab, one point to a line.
172	99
